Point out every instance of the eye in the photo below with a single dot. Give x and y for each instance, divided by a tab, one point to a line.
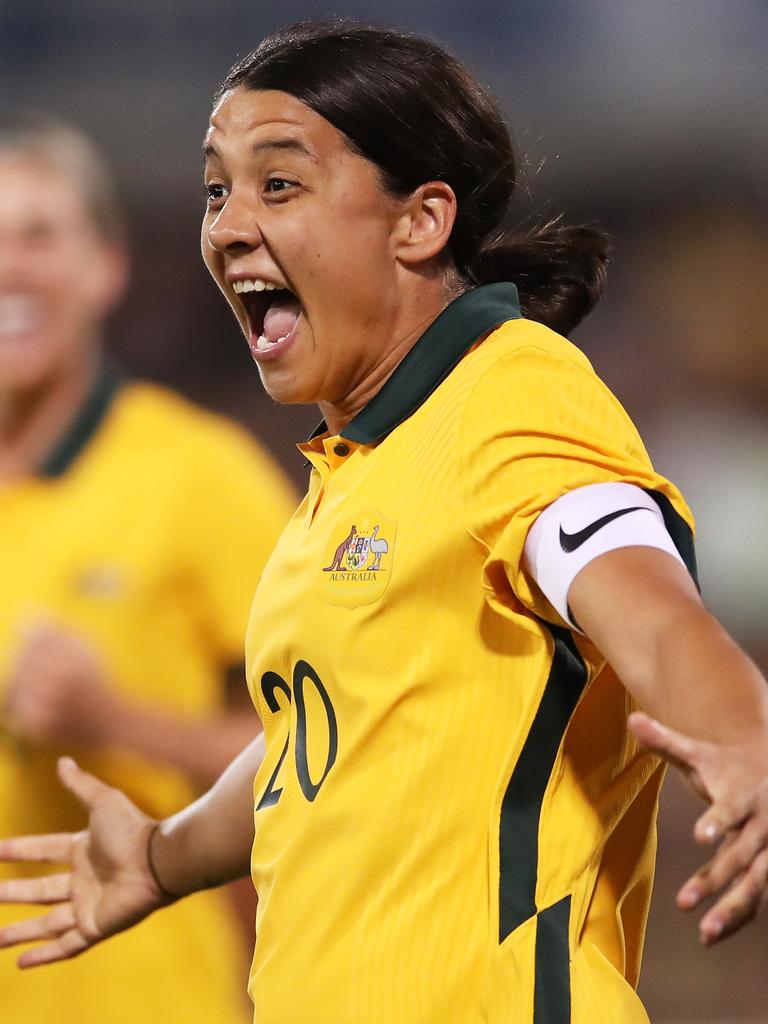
276	186
214	192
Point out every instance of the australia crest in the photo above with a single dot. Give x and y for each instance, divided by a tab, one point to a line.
359	559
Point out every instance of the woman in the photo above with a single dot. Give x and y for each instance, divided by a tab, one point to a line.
452	820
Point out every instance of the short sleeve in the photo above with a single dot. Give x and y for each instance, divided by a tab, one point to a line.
540	423
239	503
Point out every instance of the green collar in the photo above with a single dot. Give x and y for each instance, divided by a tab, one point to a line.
432	358
86	423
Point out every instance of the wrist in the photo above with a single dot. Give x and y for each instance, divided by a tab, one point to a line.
165	893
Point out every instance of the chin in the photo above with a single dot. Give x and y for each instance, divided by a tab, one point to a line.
287	389
28	370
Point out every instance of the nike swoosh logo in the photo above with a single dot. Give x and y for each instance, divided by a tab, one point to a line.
569	542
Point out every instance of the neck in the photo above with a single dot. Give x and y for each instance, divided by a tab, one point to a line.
33	419
426	304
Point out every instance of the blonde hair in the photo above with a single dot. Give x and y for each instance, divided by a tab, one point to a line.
58	145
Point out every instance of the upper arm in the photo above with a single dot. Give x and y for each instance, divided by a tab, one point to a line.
626	599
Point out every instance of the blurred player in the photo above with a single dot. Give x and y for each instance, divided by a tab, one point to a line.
133	528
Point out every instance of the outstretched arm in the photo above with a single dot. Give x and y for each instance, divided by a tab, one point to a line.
641	608
110	882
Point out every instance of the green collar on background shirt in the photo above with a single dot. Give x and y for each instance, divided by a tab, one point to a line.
86	423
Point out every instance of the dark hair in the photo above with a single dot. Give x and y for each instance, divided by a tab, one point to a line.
54	143
419	115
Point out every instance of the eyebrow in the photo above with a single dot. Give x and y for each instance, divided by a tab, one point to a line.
288	144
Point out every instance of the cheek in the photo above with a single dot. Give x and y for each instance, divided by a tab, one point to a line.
69	272
212	260
348	262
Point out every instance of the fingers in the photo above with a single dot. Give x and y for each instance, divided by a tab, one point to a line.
739	905
50	889
55	848
715	822
52	925
732	859
672	745
89	790
60	926
64	948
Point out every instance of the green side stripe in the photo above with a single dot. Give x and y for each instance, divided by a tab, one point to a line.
552	992
521	806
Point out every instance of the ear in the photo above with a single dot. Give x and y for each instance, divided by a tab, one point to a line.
423	229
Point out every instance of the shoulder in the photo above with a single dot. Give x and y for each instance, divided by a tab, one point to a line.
532	394
178	444
148	407
518	344
164	422
525	372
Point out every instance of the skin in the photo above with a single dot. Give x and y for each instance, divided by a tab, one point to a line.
344	246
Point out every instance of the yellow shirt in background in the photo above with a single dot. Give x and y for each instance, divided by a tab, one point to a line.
146	533
452	824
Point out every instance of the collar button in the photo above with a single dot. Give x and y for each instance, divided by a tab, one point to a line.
341	449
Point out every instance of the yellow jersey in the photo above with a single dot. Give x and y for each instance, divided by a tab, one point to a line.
452	825
146	532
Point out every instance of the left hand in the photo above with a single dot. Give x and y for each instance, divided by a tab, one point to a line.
58	691
734	781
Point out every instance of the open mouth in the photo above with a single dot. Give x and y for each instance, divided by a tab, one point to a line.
272	316
19	314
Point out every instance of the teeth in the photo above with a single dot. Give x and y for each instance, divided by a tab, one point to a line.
18	314
264	343
255	284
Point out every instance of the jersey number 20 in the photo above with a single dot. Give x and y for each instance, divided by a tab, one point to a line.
271	682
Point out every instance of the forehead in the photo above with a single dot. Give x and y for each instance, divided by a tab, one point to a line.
247	117
32	188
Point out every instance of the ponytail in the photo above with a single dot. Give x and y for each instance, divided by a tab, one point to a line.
559	271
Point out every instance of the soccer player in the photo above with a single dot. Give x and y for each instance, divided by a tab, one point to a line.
133	528
454	821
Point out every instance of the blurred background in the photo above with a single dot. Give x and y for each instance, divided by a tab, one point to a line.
647	117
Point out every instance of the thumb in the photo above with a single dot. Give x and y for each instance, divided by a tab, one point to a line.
86	787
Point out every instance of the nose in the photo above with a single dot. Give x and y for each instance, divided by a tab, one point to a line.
234	229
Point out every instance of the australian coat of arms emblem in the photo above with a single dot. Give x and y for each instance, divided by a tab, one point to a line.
359	551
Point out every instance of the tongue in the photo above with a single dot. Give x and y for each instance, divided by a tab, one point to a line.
281	317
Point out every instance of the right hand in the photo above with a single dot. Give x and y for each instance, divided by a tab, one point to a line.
58	691
109	885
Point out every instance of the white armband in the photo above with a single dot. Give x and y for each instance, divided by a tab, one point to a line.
586	523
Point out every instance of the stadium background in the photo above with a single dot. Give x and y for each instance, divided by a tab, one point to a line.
647	116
